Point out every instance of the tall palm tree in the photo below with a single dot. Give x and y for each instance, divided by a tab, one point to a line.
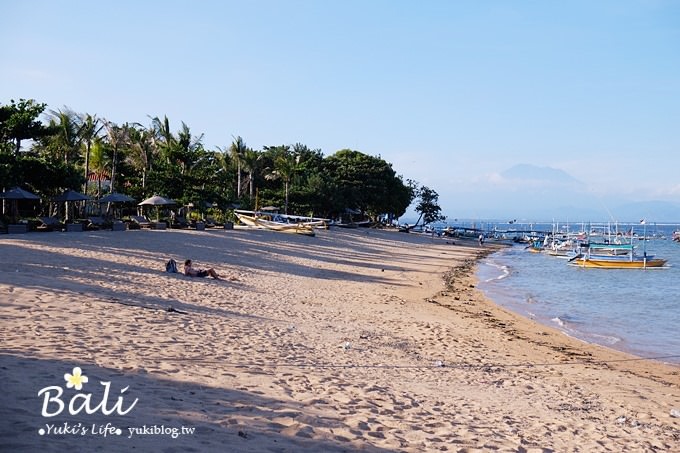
188	148
99	163
223	172
162	130
285	167
67	139
162	137
143	150
237	149
250	161
118	138
89	130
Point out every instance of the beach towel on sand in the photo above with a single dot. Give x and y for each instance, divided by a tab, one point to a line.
171	266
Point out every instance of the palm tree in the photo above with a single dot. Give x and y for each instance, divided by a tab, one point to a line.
285	167
162	137
188	148
162	131
67	138
250	159
144	150
89	130
99	163
238	149
223	172
118	137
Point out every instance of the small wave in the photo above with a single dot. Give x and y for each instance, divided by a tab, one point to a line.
565	321
606	339
504	271
558	321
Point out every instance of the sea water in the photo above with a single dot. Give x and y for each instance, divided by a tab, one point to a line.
632	310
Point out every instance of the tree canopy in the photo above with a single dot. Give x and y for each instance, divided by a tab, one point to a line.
87	152
428	207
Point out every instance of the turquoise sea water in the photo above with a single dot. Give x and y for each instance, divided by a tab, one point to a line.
636	311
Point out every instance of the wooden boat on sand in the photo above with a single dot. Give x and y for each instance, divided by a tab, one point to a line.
258	222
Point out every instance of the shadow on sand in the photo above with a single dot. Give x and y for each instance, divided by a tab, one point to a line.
223	419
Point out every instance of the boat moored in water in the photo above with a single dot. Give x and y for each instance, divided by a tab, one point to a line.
631	260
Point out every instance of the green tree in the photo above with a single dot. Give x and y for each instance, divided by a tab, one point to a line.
118	138
238	149
99	163
46	176
306	194
66	140
358	181
286	164
224	175
188	149
161	132
250	161
143	151
19	121
428	206
89	131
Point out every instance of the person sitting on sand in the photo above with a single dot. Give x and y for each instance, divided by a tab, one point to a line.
192	272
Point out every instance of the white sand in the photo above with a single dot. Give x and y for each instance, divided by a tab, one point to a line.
329	343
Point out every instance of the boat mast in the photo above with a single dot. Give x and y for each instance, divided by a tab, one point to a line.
644	243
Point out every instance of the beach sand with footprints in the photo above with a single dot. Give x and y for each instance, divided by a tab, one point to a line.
357	340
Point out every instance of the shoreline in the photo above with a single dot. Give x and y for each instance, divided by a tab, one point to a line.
468	270
367	340
508	297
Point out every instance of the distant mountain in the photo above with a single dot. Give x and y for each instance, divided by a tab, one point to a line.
536	193
534	173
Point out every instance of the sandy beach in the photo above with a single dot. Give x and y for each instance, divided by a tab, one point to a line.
356	340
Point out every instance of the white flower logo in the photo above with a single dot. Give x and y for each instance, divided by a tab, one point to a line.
77	379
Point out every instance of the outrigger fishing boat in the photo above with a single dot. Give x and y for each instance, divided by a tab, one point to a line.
605	257
617	255
256	220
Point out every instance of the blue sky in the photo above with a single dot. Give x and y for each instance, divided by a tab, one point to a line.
452	93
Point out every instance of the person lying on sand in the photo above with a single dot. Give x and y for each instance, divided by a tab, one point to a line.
192	272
